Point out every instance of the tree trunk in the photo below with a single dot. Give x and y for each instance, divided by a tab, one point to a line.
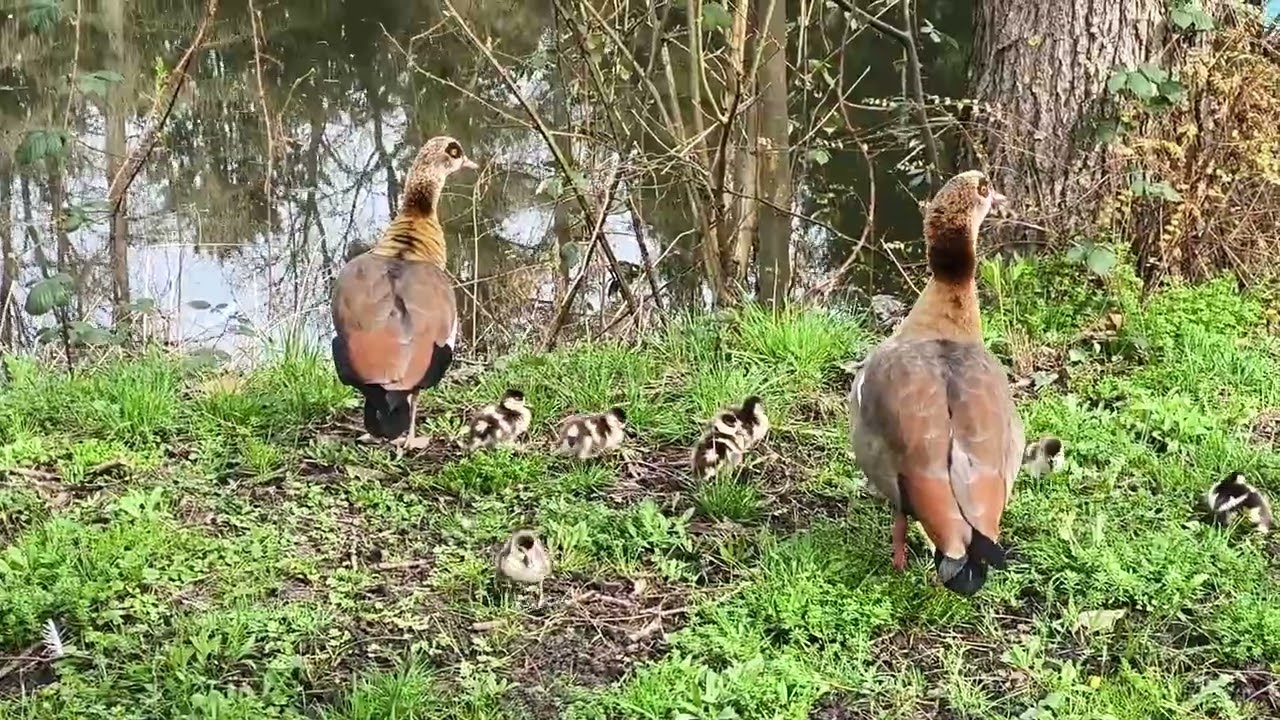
1042	68
773	261
9	268
742	159
117	150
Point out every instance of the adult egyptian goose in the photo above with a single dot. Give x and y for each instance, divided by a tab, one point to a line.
394	311
932	420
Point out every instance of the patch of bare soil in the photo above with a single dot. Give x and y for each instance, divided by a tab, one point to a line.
1261	687
1265	428
591	636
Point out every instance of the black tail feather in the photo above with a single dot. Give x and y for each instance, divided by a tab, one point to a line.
386	412
987	550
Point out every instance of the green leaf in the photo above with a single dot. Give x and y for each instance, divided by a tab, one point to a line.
41	144
199	304
1181	18
98	82
818	156
1173	90
1107	131
1154	73
74	219
1077	253
143	305
1117	81
714	16
1101	261
52	292
1141	86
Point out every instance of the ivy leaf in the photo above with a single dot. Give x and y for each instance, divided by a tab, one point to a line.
1154	73
142	306
1101	261
199	304
42	143
1173	91
52	292
715	16
1181	18
1107	131
98	82
1117	81
818	156
1141	86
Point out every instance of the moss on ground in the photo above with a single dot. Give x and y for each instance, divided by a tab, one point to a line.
218	546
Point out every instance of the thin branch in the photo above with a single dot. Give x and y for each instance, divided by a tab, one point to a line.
552	145
597	238
637	228
159	115
825	288
905	36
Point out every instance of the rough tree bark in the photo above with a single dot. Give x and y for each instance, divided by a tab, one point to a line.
8	261
117	150
1043	67
773	260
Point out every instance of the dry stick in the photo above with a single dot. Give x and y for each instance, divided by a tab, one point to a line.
158	116
637	229
75	67
552	145
597	238
906	38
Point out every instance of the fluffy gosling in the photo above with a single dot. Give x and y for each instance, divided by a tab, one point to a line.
523	558
589	436
1233	496
498	424
720	447
1043	456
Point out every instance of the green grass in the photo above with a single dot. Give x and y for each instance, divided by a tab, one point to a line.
221	548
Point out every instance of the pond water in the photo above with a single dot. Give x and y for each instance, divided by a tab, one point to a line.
232	247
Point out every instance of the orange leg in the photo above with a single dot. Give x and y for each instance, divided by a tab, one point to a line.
899	542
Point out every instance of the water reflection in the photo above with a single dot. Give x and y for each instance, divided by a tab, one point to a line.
227	264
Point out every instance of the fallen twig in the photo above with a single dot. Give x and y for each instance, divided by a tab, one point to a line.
159	115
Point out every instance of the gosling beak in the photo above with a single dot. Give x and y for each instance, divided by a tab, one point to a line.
469	164
997	199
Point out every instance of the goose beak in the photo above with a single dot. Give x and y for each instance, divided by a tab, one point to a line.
997	199
469	164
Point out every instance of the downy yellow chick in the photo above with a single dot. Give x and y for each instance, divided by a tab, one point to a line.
588	436
1233	496
722	445
500	424
523	558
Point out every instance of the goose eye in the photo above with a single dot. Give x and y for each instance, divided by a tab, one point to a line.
454	150
984	187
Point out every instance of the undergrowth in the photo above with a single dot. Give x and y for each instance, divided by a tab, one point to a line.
218	546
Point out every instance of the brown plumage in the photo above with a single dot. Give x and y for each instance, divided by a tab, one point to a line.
501	423
588	436
722	445
395	316
932	420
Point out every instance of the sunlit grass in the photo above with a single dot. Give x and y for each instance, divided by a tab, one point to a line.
216	545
